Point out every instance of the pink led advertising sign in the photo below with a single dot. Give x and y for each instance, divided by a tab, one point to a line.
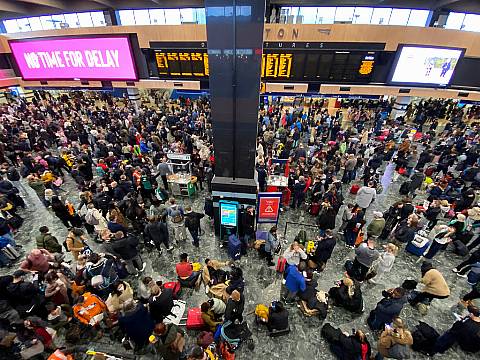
85	58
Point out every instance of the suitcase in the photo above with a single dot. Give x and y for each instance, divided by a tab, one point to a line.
234	247
194	319
10	252
354	189
281	264
418	245
175	286
176	314
314	209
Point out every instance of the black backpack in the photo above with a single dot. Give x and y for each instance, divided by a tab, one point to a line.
424	338
404	188
12	174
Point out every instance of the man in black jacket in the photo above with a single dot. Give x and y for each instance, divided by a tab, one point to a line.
465	332
277	317
157	232
160	303
125	246
248	223
192	222
235	306
324	249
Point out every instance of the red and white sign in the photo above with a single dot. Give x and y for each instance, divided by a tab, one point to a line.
268	208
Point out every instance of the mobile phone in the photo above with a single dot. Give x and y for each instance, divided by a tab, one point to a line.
388	327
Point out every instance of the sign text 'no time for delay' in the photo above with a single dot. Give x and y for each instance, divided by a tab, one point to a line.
72	59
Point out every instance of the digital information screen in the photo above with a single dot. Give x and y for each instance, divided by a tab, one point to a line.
302	65
228	214
425	65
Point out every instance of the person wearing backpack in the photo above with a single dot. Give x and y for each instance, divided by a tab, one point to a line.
95	218
125	246
192	222
176	215
47	241
75	242
157	231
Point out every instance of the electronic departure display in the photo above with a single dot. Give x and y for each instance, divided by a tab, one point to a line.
280	65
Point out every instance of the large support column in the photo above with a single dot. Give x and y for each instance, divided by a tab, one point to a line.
134	97
400	106
235	41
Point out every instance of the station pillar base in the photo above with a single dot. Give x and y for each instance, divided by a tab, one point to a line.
244	191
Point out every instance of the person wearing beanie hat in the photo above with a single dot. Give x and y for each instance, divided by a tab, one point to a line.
375	228
435	286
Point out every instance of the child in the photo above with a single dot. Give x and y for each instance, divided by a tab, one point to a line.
386	260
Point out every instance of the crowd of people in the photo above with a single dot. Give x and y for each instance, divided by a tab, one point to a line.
62	292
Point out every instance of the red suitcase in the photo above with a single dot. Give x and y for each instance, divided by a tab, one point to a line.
194	319
315	209
175	286
281	264
354	189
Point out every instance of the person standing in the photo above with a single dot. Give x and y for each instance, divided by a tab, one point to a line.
299	192
177	217
164	170
366	195
157	231
192	222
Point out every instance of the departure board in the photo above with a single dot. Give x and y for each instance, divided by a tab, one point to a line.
278	65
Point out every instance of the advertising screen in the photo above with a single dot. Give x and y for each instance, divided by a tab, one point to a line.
425	65
85	58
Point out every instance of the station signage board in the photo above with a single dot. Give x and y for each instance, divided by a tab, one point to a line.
311	64
268	207
75	58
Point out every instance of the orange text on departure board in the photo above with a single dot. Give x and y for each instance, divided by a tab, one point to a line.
277	65
366	67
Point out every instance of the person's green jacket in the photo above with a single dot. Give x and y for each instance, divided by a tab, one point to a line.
48	242
375	228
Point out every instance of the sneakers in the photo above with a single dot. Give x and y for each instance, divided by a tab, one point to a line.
284	281
143	266
462	275
170	248
455	270
207	289
340	232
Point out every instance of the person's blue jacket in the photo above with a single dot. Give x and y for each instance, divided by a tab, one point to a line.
386	310
137	324
295	281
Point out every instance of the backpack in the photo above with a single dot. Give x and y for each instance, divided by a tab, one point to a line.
404	188
90	219
424	338
174	286
473	276
177	216
12	174
301	237
146	184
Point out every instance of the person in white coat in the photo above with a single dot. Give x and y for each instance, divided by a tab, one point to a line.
366	195
385	261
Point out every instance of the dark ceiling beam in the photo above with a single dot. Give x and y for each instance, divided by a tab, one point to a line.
12	7
54	4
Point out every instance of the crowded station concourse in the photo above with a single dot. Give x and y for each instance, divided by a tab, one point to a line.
166	206
98	253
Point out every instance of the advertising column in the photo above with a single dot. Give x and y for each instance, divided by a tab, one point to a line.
235	45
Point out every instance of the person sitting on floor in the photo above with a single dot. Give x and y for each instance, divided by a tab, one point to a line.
184	269
387	309
277	317
347	294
